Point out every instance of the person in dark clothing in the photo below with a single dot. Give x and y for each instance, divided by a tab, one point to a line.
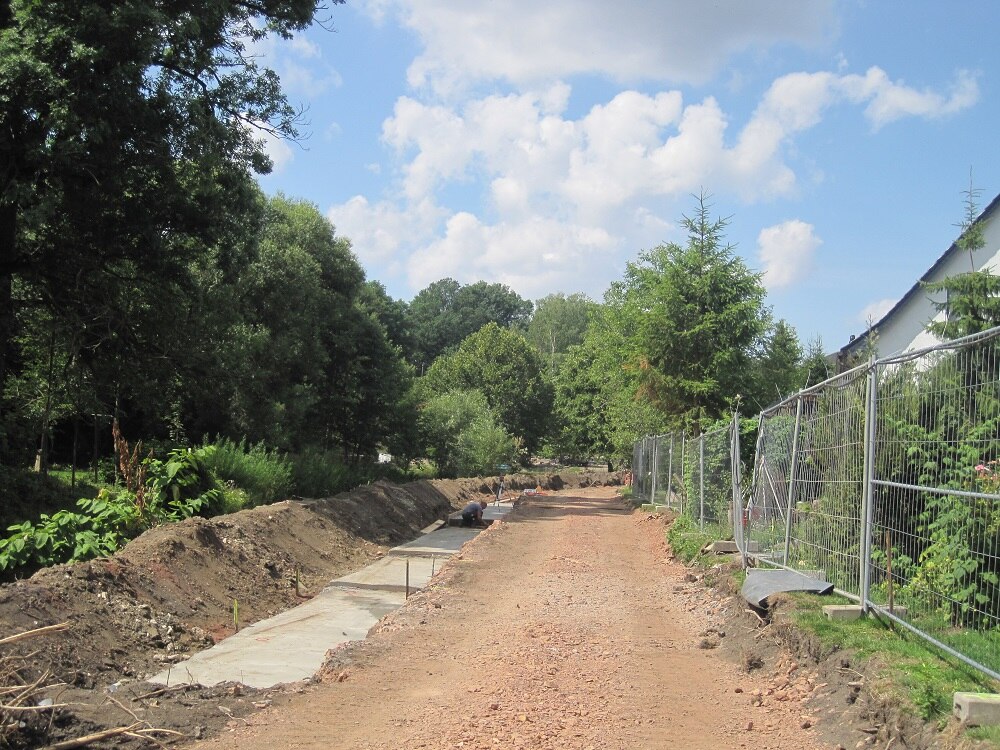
472	514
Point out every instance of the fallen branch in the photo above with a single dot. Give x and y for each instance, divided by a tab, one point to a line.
36	632
162	691
92	738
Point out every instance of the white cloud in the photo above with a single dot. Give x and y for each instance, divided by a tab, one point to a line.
523	41
531	256
874	312
383	232
277	149
889	101
298	63
786	252
518	156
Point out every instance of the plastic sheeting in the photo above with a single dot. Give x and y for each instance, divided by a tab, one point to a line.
761	583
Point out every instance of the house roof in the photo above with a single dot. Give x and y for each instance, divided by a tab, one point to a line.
859	340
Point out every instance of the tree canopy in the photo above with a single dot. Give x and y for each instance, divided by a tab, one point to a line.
507	370
442	315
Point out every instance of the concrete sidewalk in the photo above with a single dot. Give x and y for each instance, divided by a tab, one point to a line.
292	645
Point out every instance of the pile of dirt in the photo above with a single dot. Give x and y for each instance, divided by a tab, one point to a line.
181	587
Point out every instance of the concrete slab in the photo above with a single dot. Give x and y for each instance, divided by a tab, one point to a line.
977	709
288	647
842	612
390	573
446	541
292	645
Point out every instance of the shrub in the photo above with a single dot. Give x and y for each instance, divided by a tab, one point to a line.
319	473
265	476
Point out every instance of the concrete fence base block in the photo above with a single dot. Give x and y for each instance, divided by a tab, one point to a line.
977	709
843	612
722	547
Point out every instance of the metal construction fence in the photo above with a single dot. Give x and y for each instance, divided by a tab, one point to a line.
696	475
883	480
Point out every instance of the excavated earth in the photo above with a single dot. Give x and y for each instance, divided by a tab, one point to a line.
568	626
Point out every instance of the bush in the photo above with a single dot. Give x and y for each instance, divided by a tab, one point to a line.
320	473
265	476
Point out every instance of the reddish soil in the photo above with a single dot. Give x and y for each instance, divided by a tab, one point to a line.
565	627
569	625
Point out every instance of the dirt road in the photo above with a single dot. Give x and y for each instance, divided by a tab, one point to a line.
565	627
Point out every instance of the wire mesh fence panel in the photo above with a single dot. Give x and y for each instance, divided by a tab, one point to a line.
640	473
714	507
690	489
827	482
767	509
934	559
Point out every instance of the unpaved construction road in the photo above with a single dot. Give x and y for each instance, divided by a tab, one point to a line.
564	627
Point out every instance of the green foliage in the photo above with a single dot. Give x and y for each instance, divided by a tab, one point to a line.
815	367
26	494
580	418
264	475
559	322
462	435
687	539
133	136
908	666
502	365
183	486
779	367
703	320
445	313
972	300
320	473
179	487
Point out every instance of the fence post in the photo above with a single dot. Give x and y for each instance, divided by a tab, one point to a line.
792	471
683	487
867	495
757	458
737	478
670	468
655	465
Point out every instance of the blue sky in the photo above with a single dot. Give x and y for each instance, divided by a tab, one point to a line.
543	145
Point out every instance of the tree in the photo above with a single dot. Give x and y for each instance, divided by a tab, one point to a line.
508	371
128	134
779	367
815	366
972	300
391	313
580	417
462	434
558	323
445	313
702	321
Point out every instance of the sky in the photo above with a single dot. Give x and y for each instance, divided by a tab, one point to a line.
544	144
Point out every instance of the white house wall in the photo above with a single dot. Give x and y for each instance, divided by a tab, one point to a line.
905	328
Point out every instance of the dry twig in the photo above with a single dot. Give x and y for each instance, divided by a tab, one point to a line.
36	632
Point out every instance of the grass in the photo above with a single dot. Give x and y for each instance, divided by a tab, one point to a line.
263	475
910	668
687	539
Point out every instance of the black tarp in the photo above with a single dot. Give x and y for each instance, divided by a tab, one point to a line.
761	583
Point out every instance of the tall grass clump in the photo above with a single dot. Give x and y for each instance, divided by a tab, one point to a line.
266	476
322	473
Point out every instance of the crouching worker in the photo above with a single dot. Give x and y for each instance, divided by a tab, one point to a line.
472	514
